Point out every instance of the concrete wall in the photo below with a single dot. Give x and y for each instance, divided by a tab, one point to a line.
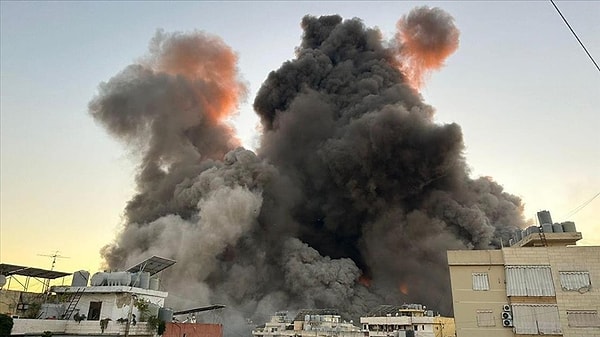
193	330
115	305
35	327
566	258
8	302
576	259
467	302
446	326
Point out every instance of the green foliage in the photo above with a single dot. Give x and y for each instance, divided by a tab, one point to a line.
47	334
143	306
156	324
104	323
78	318
6	324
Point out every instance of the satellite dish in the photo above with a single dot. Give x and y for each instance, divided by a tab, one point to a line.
2	280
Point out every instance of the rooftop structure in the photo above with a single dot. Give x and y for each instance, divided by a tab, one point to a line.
126	303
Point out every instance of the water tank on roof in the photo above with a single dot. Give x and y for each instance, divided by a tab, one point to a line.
154	283
569	226
141	279
80	278
532	229
557	228
547	228
118	278
165	314
99	279
544	217
145	280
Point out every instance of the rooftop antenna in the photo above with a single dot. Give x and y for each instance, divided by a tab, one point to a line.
54	256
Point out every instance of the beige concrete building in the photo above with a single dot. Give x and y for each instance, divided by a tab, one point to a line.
541	285
407	320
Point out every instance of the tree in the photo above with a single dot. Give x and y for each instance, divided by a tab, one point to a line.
6	324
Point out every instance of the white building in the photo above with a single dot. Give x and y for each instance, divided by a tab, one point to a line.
407	320
115	303
313	322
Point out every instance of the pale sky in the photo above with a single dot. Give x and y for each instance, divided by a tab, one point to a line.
521	87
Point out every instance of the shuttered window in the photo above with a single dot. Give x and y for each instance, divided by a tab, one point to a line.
583	318
481	281
536	319
575	280
529	281
485	318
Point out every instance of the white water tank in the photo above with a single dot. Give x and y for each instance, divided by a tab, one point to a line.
140	279
99	279
144	280
154	283
118	278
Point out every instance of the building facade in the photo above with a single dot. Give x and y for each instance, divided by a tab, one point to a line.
407	320
309	322
542	285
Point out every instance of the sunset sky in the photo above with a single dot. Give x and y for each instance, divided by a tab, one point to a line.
521	87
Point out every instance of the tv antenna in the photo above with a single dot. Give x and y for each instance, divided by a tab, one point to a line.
54	256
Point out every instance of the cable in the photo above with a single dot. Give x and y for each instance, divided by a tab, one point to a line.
582	206
574	34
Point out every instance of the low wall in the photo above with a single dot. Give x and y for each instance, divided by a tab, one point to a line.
35	327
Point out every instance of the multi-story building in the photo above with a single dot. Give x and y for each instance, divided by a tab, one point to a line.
406	320
309	322
542	285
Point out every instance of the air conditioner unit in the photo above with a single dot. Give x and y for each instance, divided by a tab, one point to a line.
506	315
507	323
506	307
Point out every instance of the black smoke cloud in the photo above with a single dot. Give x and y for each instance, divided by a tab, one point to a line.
352	199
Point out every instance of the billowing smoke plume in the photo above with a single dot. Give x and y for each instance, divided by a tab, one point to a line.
426	36
351	201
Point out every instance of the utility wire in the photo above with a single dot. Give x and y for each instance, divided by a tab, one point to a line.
574	34
580	207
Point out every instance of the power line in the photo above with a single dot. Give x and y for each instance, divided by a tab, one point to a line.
580	207
574	34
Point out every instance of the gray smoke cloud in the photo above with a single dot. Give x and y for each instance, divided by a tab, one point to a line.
351	201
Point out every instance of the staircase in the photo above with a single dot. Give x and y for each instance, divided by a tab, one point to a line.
73	301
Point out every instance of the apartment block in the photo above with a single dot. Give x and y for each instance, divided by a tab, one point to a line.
542	285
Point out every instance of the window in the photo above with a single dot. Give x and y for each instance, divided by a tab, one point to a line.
536	319
583	318
94	311
481	281
575	280
485	318
529	281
